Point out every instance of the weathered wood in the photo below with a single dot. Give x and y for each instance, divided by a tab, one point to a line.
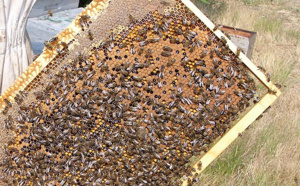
29	50
243	39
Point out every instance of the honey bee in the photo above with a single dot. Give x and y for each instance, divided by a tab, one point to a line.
65	45
96	54
84	20
165	3
238	51
50	13
223	39
141	32
9	122
203	54
174	40
209	42
227	35
141	50
188	36
149	54
178	31
47	45
132	50
139	65
165	53
139	39
122	45
171	62
144	43
161	73
215	28
273	92
136	78
154	40
184	21
268	77
199	165
8	103
132	19
256	100
54	39
90	35
198	42
192	48
259	117
278	85
168	49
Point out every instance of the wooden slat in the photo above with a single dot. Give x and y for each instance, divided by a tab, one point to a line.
250	116
233	133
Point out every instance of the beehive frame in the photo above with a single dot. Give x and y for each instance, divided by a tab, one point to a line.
93	10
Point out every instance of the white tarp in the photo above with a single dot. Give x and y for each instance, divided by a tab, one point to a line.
15	48
14	57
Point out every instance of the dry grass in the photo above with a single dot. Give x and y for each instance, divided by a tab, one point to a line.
267	153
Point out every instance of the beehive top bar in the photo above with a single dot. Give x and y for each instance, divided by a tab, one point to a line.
129	98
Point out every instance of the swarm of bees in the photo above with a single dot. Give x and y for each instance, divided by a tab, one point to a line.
132	111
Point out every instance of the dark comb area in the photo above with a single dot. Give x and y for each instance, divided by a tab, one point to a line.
131	111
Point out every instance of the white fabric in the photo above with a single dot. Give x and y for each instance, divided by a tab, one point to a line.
14	58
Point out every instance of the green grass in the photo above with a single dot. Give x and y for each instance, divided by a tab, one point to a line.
263	2
268	139
293	34
229	163
256	2
212	8
235	17
281	70
268	25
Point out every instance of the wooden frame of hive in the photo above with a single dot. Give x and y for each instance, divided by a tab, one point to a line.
93	10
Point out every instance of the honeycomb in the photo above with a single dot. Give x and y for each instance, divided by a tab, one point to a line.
127	100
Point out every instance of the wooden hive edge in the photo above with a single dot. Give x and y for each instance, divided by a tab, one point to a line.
238	128
248	117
